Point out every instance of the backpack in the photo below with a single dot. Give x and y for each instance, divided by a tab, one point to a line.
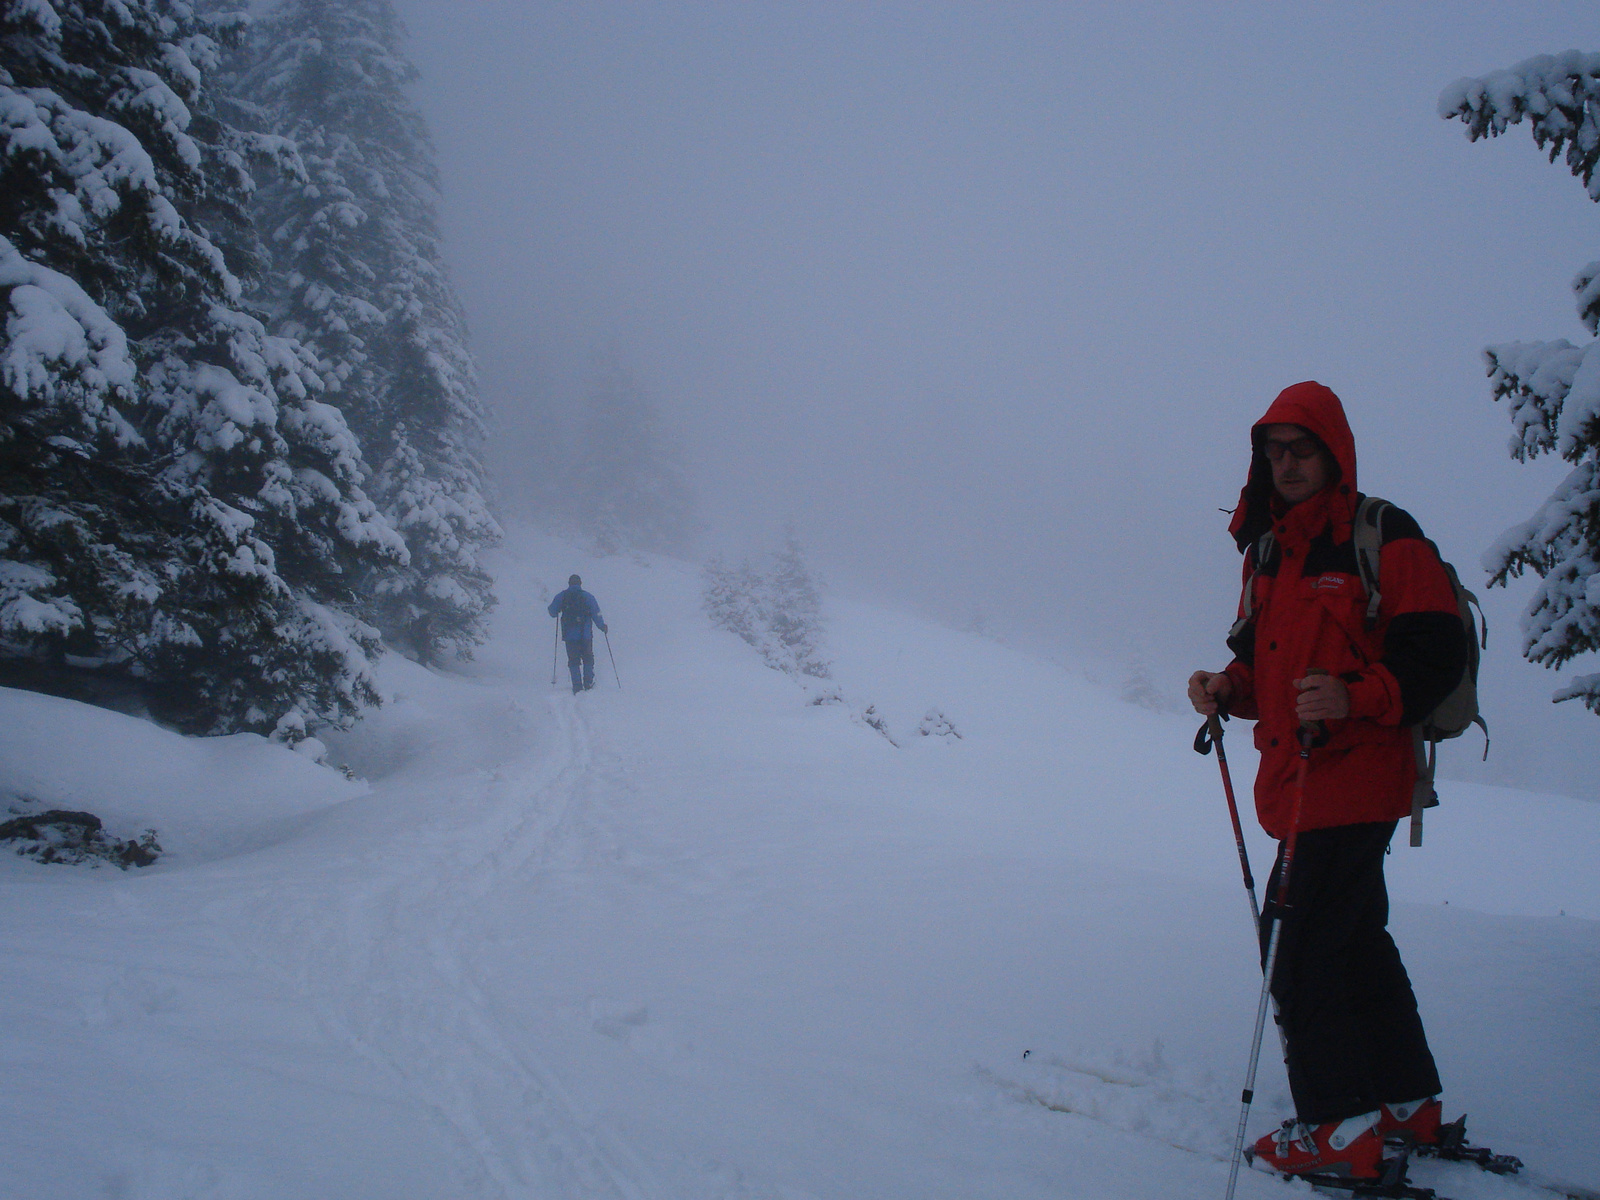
574	610
1458	711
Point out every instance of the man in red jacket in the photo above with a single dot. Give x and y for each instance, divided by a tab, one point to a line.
1305	653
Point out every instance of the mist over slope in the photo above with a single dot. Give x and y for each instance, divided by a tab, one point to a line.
694	936
908	276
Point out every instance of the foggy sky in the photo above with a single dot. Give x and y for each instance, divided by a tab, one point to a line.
985	297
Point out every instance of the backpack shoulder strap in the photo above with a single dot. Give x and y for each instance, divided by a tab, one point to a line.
1368	536
1259	553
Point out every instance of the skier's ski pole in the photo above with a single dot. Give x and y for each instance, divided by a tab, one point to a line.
1210	735
555	653
613	657
1310	732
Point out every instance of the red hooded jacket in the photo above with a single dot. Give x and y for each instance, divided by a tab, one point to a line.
1309	610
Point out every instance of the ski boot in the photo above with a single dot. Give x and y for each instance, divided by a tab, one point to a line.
1418	1121
1348	1149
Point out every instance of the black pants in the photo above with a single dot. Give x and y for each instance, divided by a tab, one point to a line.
580	662
1346	1004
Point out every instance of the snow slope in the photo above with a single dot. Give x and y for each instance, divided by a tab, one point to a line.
695	938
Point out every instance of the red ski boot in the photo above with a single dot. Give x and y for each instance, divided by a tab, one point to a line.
1418	1121
1350	1148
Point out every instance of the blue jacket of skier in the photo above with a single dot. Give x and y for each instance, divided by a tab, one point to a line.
579	613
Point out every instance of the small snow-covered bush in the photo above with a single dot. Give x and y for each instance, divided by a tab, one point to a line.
873	719
936	724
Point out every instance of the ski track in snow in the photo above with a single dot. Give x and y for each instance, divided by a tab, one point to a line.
1141	1095
383	948
501	1103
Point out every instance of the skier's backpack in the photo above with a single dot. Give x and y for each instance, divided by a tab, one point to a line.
1458	711
1453	715
574	610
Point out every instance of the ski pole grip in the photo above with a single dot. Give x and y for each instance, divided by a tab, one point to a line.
1313	733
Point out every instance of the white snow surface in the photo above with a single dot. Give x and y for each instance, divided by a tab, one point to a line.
695	938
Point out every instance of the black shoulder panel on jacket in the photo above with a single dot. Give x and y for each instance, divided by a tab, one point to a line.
1397	523
1324	554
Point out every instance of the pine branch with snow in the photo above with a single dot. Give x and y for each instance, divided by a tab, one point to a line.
1556	94
1551	389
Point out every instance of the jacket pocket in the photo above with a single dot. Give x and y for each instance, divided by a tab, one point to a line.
1344	643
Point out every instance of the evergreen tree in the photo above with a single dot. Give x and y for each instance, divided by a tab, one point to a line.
1552	389
177	508
624	486
729	597
779	613
795	610
359	276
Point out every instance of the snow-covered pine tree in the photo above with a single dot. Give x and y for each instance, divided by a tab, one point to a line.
729	597
780	613
177	509
624	486
1552	389
795	610
359	276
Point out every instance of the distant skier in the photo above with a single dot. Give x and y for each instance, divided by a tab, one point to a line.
579	613
1308	657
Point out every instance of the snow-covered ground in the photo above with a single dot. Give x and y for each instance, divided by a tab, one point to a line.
695	938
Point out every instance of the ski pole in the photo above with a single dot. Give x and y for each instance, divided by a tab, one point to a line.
1210	735
555	653
1309	733
613	658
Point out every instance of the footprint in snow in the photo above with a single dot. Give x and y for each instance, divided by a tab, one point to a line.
617	1019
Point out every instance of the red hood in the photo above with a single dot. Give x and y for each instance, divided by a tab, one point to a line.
1316	408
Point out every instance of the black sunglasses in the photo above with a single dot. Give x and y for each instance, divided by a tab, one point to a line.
1301	447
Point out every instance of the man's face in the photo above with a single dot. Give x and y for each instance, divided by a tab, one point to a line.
1300	467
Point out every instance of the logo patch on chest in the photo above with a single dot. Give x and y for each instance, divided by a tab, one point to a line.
1331	583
